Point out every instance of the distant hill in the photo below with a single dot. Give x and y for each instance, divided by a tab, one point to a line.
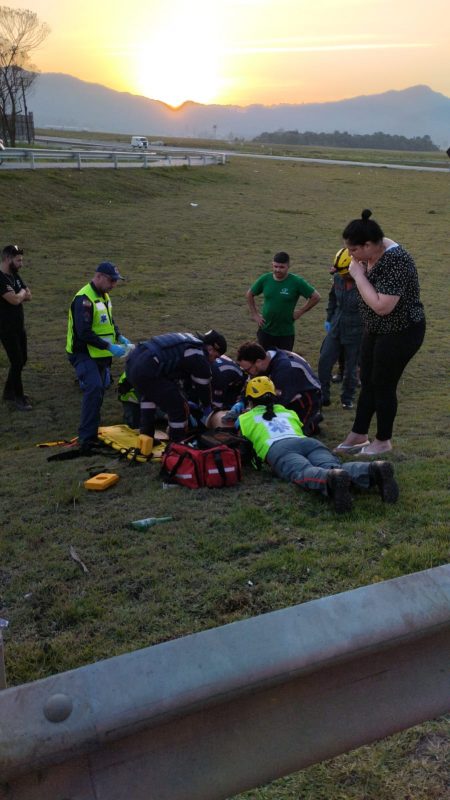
63	101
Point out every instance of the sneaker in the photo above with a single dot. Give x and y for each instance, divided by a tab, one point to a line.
381	474
338	482
348	406
22	404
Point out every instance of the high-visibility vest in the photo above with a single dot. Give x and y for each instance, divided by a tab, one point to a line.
102	321
263	433
128	396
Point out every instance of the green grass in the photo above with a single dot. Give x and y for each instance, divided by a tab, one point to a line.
188	269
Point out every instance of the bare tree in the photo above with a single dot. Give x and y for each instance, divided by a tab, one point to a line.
21	32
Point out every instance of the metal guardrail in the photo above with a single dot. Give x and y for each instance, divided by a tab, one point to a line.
81	158
212	714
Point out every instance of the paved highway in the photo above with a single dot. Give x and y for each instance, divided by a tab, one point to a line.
114	146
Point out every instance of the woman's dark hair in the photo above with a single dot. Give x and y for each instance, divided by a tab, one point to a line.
268	401
360	231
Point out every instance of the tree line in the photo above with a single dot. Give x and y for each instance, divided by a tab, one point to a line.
370	141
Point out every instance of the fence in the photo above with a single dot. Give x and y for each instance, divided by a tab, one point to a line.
17	158
212	714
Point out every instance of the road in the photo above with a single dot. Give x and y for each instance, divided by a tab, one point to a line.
115	146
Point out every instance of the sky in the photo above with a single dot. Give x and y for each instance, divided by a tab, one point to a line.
247	51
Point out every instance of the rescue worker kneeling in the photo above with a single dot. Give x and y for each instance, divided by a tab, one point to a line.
155	368
277	437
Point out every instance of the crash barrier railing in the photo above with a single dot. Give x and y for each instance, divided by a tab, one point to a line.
218	712
47	158
2	664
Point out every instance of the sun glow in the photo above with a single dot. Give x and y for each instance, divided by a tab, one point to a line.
179	60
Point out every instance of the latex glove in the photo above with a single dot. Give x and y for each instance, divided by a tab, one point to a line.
206	412
195	411
124	340
234	411
327	326
117	350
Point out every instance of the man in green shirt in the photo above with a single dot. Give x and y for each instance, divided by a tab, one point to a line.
281	291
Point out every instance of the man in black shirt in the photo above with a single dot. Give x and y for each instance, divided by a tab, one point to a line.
13	293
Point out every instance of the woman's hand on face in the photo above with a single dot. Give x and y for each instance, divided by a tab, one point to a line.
356	268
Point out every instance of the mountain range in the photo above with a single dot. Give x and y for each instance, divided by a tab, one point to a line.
62	101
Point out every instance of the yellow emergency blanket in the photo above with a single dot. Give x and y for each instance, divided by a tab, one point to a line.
125	439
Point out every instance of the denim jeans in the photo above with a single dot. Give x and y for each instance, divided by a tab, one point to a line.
307	461
94	377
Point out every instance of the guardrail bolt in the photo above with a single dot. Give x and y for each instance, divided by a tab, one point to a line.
58	707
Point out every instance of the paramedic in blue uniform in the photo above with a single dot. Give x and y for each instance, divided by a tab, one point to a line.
228	381
298	387
156	367
227	378
92	339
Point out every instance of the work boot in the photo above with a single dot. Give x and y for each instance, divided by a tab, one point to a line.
338	483
381	474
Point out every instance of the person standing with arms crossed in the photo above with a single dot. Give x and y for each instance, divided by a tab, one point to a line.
13	294
92	339
281	291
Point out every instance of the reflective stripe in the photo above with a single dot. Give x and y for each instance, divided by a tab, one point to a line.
176	424
148	404
200	380
216	471
229	368
307	373
193	351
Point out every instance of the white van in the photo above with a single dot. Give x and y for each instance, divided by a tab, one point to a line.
139	143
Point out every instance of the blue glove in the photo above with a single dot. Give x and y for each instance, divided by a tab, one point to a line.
238	407
117	350
124	340
234	411
327	326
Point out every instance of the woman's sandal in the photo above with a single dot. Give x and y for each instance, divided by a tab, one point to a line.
350	448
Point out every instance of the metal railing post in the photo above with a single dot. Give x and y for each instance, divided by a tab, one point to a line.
2	664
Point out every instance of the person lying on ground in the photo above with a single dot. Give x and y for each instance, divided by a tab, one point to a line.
277	436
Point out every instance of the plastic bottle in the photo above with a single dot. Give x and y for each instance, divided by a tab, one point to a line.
148	522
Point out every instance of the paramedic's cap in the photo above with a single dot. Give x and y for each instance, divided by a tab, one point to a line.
216	340
11	250
109	269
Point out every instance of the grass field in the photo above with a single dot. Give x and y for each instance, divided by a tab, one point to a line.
188	269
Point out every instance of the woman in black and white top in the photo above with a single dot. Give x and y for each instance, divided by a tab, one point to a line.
394	321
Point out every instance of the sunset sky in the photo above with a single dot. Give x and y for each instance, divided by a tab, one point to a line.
248	51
